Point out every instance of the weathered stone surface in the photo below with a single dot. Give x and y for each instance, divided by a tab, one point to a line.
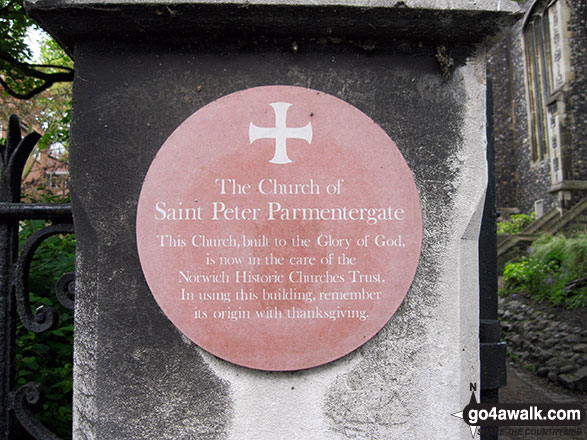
552	376
576	380
471	5
543	355
552	352
543	371
134	342
573	338
581	379
567	368
567	381
551	342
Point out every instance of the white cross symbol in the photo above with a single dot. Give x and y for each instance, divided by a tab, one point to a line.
280	132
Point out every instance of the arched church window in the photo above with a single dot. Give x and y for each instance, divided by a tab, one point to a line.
546	59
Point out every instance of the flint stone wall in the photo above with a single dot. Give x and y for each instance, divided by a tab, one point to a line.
550	346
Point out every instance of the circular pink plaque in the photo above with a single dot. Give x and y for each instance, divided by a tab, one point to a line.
279	228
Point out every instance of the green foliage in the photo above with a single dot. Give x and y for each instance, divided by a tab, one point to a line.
14	24
55	105
21	77
47	87
47	357
48	112
53	54
570	254
517	223
554	261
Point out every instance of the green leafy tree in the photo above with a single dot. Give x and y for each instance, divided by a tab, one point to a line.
20	76
38	91
55	104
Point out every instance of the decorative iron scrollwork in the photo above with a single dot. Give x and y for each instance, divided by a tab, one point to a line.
65	290
13	158
14	277
45	318
26	397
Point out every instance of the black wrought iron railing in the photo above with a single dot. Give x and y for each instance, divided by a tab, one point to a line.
17	405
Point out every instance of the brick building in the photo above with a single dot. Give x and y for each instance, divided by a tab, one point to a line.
46	171
539	73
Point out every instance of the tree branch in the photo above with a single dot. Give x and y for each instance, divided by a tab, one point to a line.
29	94
48	78
29	70
51	66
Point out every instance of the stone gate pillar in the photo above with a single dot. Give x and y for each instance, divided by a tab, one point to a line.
180	106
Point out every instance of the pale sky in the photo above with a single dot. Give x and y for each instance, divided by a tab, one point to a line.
34	38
